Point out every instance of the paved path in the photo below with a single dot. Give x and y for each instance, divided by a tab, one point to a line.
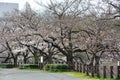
11	74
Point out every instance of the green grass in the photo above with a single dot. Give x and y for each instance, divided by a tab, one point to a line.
83	76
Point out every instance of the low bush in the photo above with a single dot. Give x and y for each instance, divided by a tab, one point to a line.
56	67
32	66
6	65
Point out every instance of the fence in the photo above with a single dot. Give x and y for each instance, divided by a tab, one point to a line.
105	71
99	71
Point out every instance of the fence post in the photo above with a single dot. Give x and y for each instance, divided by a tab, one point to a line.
80	67
92	70
111	71
97	69
77	66
41	65
118	71
83	68
87	68
104	71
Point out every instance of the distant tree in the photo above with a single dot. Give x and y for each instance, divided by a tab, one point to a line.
66	16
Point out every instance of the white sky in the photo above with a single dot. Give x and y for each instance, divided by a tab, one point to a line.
22	3
33	3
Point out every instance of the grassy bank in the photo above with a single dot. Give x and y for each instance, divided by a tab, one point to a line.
83	76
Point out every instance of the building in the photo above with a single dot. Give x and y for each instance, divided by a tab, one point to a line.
7	7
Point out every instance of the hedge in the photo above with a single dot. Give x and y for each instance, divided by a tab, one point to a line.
32	66
56	67
6	65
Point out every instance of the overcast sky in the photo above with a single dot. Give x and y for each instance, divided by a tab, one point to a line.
33	3
22	3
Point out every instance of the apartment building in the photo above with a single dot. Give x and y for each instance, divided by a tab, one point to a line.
7	7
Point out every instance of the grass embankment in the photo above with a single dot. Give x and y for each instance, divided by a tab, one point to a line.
83	76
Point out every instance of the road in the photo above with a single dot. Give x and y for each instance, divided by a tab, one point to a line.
12	74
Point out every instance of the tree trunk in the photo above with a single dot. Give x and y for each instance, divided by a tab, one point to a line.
49	60
25	60
97	59
70	62
36	58
15	62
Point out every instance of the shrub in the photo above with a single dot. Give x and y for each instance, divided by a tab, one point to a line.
6	65
56	67
47	67
32	66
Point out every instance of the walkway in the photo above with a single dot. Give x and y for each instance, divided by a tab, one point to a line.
11	74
